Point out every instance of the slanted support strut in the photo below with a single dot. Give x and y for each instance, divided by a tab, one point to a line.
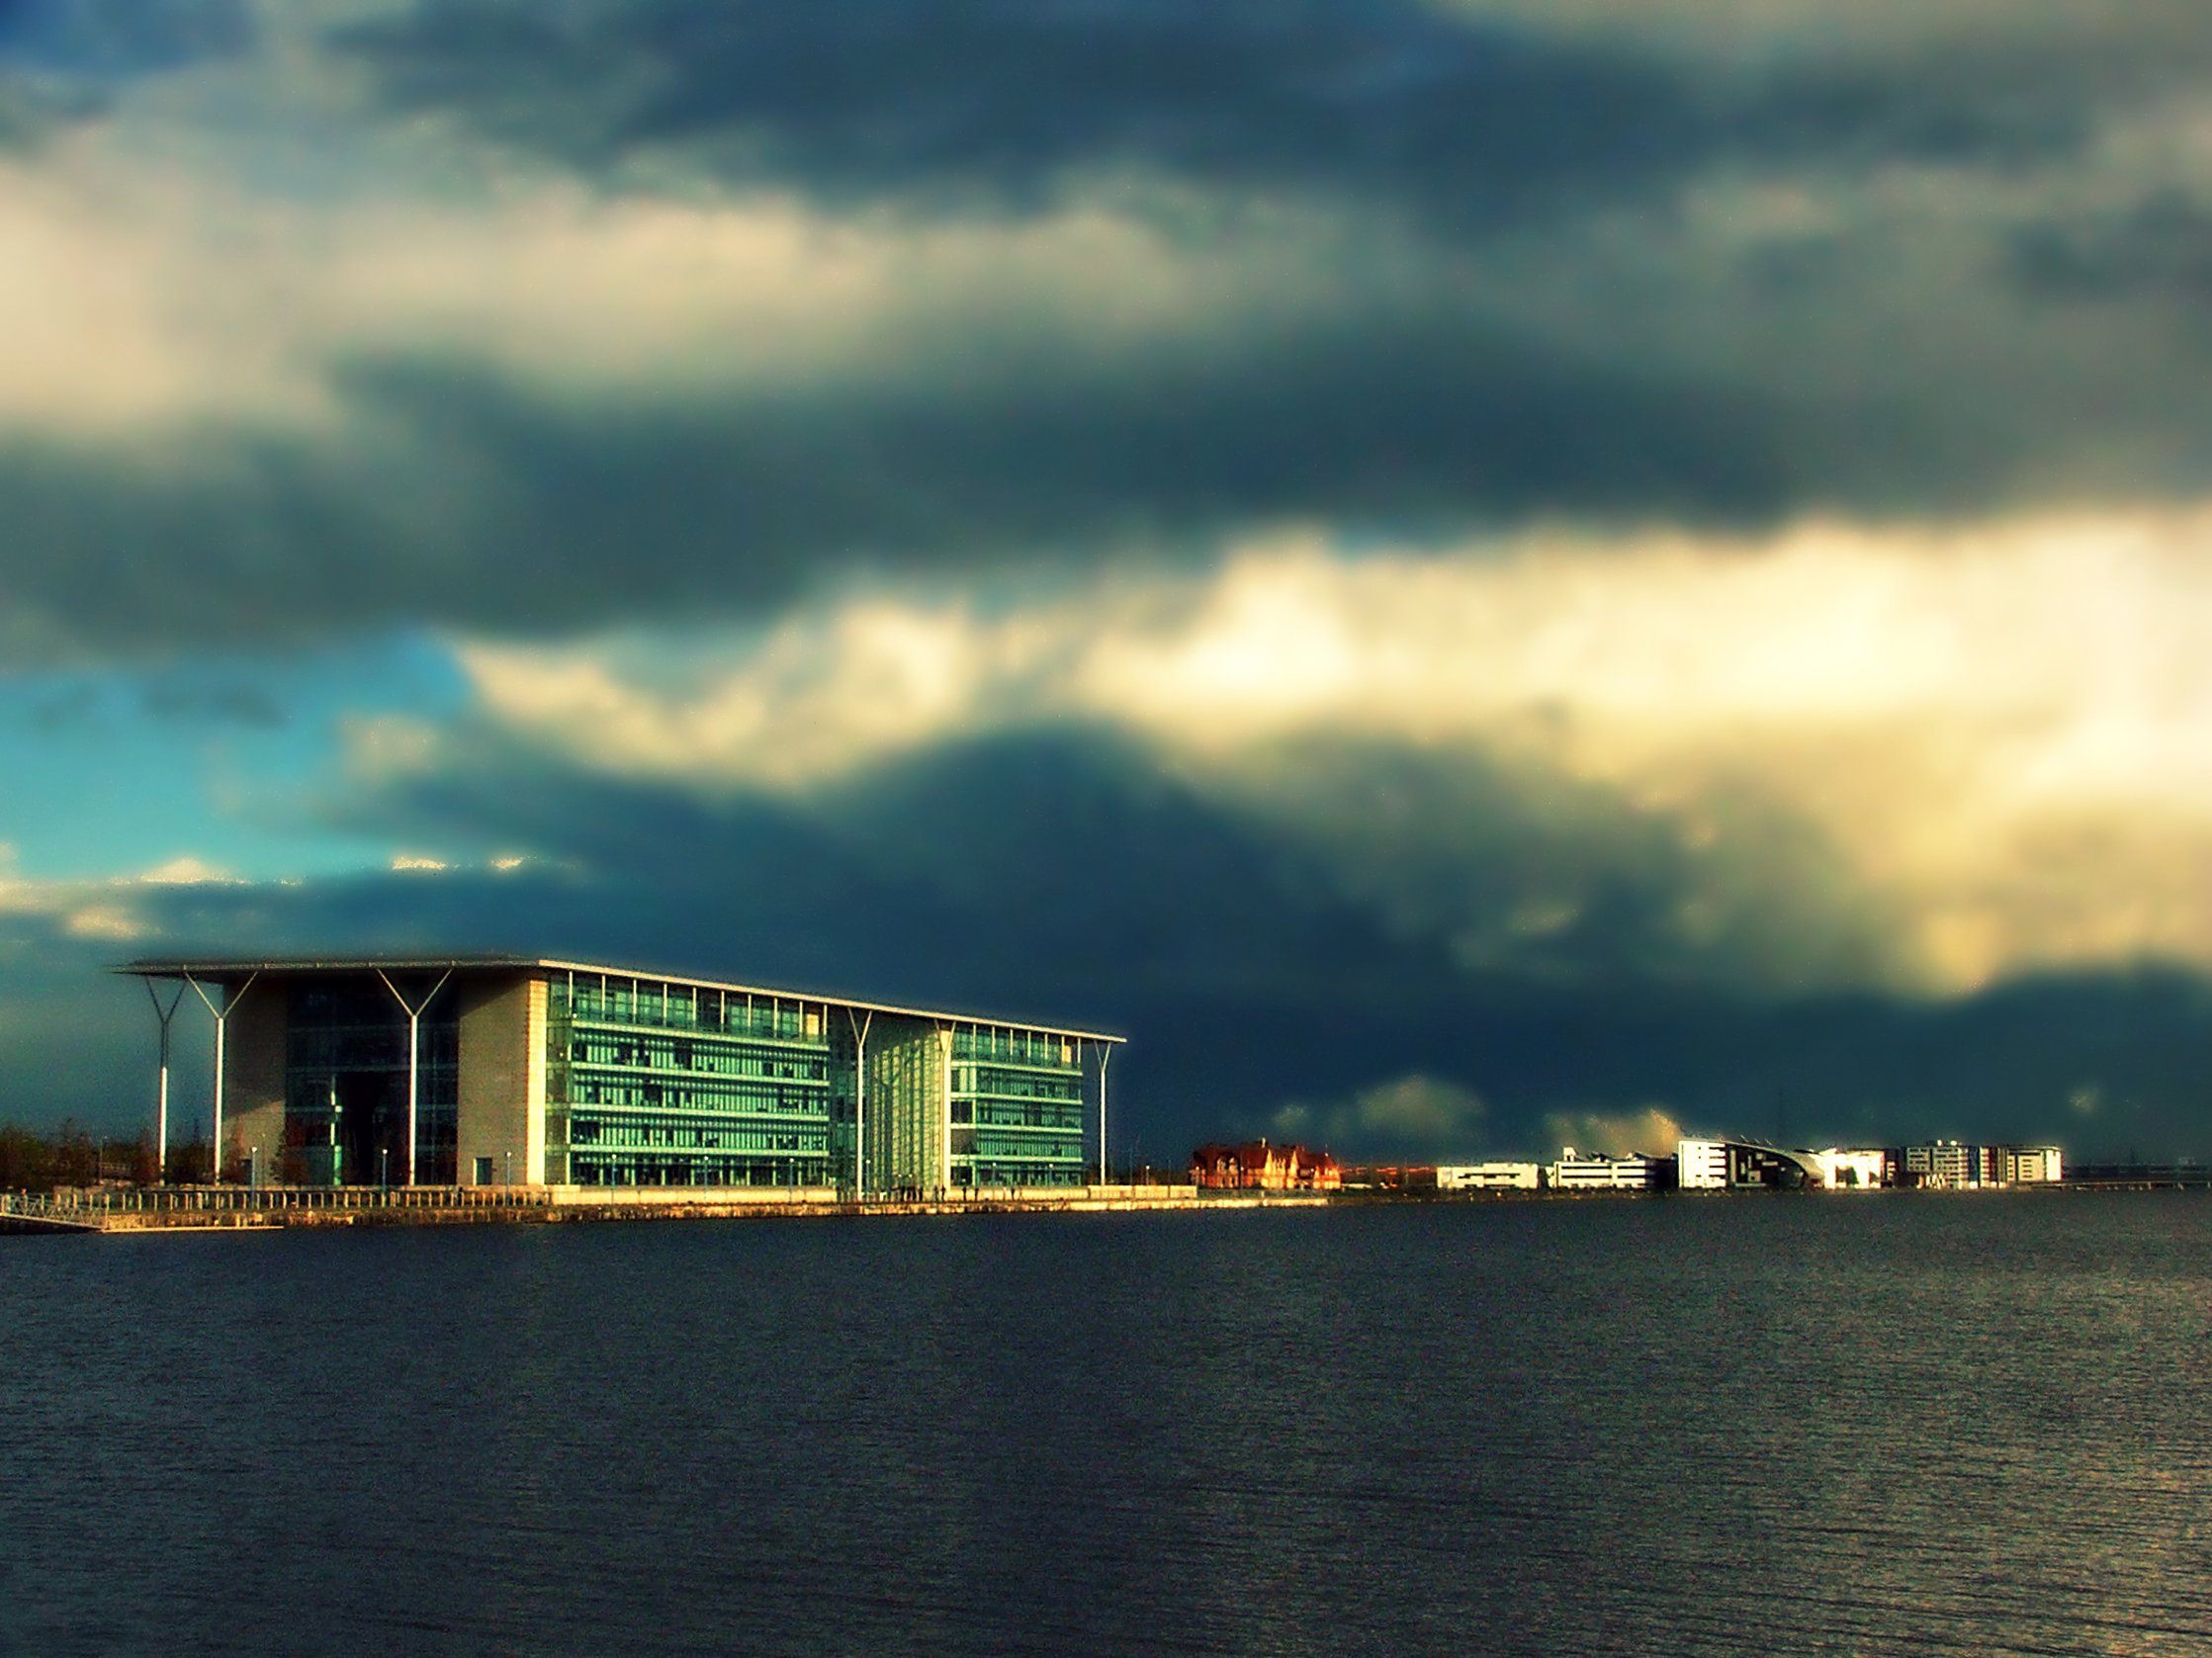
167	1017
860	1029
222	1017
414	1013
1105	1054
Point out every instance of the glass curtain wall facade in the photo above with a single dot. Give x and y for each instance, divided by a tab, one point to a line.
906	1105
657	1083
1017	1102
345	1083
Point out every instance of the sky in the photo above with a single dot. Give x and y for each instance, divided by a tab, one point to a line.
1470	574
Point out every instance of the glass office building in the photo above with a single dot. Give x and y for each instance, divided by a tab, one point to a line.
495	1069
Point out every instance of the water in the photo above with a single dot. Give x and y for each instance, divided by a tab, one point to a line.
1895	1423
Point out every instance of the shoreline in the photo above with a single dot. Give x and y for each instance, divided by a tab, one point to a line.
275	1209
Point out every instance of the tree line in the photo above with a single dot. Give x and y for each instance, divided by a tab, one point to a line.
71	1156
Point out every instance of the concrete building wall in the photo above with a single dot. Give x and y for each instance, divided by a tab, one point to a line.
1854	1168
1488	1177
1577	1172
253	1083
501	1114
1702	1165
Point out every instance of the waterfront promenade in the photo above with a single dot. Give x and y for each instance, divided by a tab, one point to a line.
238	1208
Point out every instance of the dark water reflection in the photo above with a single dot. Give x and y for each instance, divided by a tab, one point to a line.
1872	1425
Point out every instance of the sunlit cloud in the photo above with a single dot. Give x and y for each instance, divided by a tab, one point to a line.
1997	734
1651	1132
156	294
185	871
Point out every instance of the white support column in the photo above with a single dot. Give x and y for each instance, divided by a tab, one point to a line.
945	1124
221	1016
414	1052
1105	1053
859	1097
161	1111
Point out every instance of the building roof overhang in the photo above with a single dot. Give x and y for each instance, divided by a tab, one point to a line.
229	969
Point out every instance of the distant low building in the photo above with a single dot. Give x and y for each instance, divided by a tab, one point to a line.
1720	1165
1702	1164
1489	1177
1952	1165
1857	1168
1595	1172
1259	1166
1946	1165
2029	1166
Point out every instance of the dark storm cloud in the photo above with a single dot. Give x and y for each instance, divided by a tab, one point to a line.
63	62
1063	877
107	40
1389	389
465	499
199	698
1003	101
2159	247
496	510
1065	880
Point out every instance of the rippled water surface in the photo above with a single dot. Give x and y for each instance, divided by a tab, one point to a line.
1883	1423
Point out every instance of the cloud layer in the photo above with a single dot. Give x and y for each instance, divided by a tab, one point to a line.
560	315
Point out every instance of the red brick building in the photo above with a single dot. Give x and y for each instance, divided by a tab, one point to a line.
1259	1166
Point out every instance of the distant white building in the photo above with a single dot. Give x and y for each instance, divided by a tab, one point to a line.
1854	1168
1702	1164
1489	1177
1950	1164
2029	1165
1594	1171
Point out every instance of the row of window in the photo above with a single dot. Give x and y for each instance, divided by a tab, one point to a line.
650	1169
682	1008
317	1094
1029	1047
1014	1175
645	1168
724	1059
1014	1085
370	1048
754	1099
973	1142
1000	1114
366	1001
592	1132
